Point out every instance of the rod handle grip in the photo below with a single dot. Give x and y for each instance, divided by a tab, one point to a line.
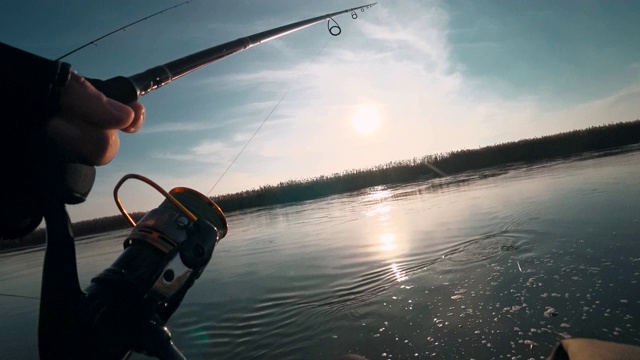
118	88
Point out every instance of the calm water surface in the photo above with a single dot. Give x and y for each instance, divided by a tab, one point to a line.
450	269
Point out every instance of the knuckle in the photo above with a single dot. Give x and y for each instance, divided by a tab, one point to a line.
104	147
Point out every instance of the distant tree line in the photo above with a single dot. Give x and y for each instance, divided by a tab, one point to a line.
80	228
454	162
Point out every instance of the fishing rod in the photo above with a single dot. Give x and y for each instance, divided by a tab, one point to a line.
130	302
131	88
94	41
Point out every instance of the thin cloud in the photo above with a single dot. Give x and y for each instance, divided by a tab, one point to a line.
251	78
216	123
176	127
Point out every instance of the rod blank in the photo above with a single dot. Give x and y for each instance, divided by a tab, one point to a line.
129	89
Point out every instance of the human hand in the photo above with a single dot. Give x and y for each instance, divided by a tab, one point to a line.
87	123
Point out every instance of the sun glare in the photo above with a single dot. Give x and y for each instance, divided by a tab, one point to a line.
366	119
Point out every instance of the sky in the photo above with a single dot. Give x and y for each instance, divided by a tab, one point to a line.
403	80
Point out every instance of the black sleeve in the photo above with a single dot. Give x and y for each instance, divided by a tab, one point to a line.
30	86
29	95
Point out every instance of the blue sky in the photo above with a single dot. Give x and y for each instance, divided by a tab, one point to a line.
433	76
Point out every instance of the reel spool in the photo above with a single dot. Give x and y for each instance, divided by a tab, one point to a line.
174	241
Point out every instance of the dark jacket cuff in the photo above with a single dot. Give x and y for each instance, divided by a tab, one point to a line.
31	86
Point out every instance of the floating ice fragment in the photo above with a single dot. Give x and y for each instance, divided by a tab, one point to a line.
457	297
513	308
624	301
565	325
550	312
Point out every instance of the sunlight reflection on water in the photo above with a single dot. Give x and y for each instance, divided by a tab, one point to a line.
388	242
400	275
450	271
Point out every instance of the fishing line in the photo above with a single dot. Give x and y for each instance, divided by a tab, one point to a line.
21	296
270	113
120	29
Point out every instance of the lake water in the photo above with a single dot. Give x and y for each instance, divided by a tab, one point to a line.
456	268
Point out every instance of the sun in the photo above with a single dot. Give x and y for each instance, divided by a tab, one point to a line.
366	119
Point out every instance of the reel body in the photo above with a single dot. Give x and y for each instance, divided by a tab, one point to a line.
129	303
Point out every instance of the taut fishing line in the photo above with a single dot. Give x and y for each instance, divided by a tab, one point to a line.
21	296
272	110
